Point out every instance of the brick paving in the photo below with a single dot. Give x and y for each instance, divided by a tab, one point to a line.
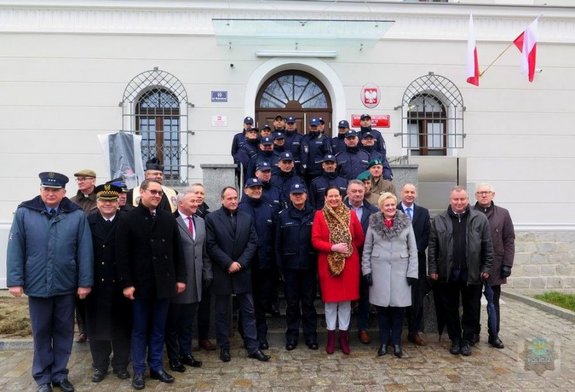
429	368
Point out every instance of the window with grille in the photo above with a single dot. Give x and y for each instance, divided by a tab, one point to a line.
155	107
432	114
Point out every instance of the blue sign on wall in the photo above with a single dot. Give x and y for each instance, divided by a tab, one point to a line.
219	96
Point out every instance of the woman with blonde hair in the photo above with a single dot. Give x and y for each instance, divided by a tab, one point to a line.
389	266
337	234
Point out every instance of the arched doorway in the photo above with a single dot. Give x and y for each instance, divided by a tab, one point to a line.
293	93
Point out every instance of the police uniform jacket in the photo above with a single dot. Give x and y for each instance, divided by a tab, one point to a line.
49	256
226	245
261	156
106	306
283	182
315	148
320	184
351	162
379	142
293	247
262	214
149	253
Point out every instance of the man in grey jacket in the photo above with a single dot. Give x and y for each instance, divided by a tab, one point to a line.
460	256
50	259
503	236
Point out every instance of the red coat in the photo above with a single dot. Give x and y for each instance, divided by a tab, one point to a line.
344	287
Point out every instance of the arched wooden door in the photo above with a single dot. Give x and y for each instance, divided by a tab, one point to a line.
294	93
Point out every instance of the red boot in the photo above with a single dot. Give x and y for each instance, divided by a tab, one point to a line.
330	347
344	342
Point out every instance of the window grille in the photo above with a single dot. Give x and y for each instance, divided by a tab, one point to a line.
432	116
155	106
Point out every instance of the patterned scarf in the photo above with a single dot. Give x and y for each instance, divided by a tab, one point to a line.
338	220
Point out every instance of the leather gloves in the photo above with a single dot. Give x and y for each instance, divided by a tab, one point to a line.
505	271
368	279
411	281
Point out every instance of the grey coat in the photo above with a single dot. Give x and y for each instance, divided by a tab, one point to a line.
198	265
390	255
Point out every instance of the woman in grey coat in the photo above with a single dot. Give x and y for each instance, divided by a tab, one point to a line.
389	266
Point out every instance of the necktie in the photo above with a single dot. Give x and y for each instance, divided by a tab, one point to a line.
191	225
408	211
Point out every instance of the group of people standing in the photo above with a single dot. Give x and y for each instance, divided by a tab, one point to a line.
146	259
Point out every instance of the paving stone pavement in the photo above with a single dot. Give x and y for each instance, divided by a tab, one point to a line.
429	368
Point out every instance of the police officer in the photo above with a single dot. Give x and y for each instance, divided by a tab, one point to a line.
285	177
240	138
279	124
271	194
338	142
327	179
265	154
353	160
316	146
365	123
294	143
368	144
248	150
263	263
297	260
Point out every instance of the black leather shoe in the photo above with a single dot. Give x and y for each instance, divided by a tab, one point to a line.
44	388
291	346
382	350
138	381
465	348
99	375
188	359
176	366
496	342
264	345
312	345
259	356
474	340
225	355
455	347
397	350
162	376
64	385
122	374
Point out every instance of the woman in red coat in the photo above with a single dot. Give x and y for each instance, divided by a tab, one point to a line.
336	234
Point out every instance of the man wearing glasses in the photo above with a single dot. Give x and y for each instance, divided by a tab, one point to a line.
152	271
155	171
85	197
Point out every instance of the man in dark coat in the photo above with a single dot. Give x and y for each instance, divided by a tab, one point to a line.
108	312
327	179
355	200
460	257
503	237
152	271
352	161
231	245
420	222
297	260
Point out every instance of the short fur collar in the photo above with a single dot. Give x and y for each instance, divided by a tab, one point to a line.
400	222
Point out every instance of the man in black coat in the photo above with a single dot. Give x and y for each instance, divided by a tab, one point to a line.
421	223
152	271
108	312
231	245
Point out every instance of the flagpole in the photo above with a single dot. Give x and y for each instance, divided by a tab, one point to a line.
496	58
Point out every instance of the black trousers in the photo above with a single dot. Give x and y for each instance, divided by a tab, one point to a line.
102	349
390	320
205	312
262	287
246	308
470	295
415	312
300	292
179	329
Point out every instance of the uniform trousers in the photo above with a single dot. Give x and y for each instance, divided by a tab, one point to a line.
52	321
179	329
148	331
300	291
337	315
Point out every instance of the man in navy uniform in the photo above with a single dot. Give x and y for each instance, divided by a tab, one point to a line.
327	179
353	160
50	260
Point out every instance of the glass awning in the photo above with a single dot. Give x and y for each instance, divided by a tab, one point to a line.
299	32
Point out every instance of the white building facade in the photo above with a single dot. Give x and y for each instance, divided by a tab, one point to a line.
184	74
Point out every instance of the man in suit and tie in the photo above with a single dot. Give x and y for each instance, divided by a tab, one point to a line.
184	306
363	209
231	245
420	221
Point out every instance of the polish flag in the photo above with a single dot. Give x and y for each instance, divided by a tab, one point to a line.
527	45
472	65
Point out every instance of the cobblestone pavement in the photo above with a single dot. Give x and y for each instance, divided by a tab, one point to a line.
531	337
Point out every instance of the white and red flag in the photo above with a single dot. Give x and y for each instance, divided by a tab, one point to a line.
472	64
527	45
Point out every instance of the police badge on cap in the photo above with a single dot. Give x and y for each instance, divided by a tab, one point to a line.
53	180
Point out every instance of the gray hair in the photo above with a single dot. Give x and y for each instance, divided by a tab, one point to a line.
484	185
